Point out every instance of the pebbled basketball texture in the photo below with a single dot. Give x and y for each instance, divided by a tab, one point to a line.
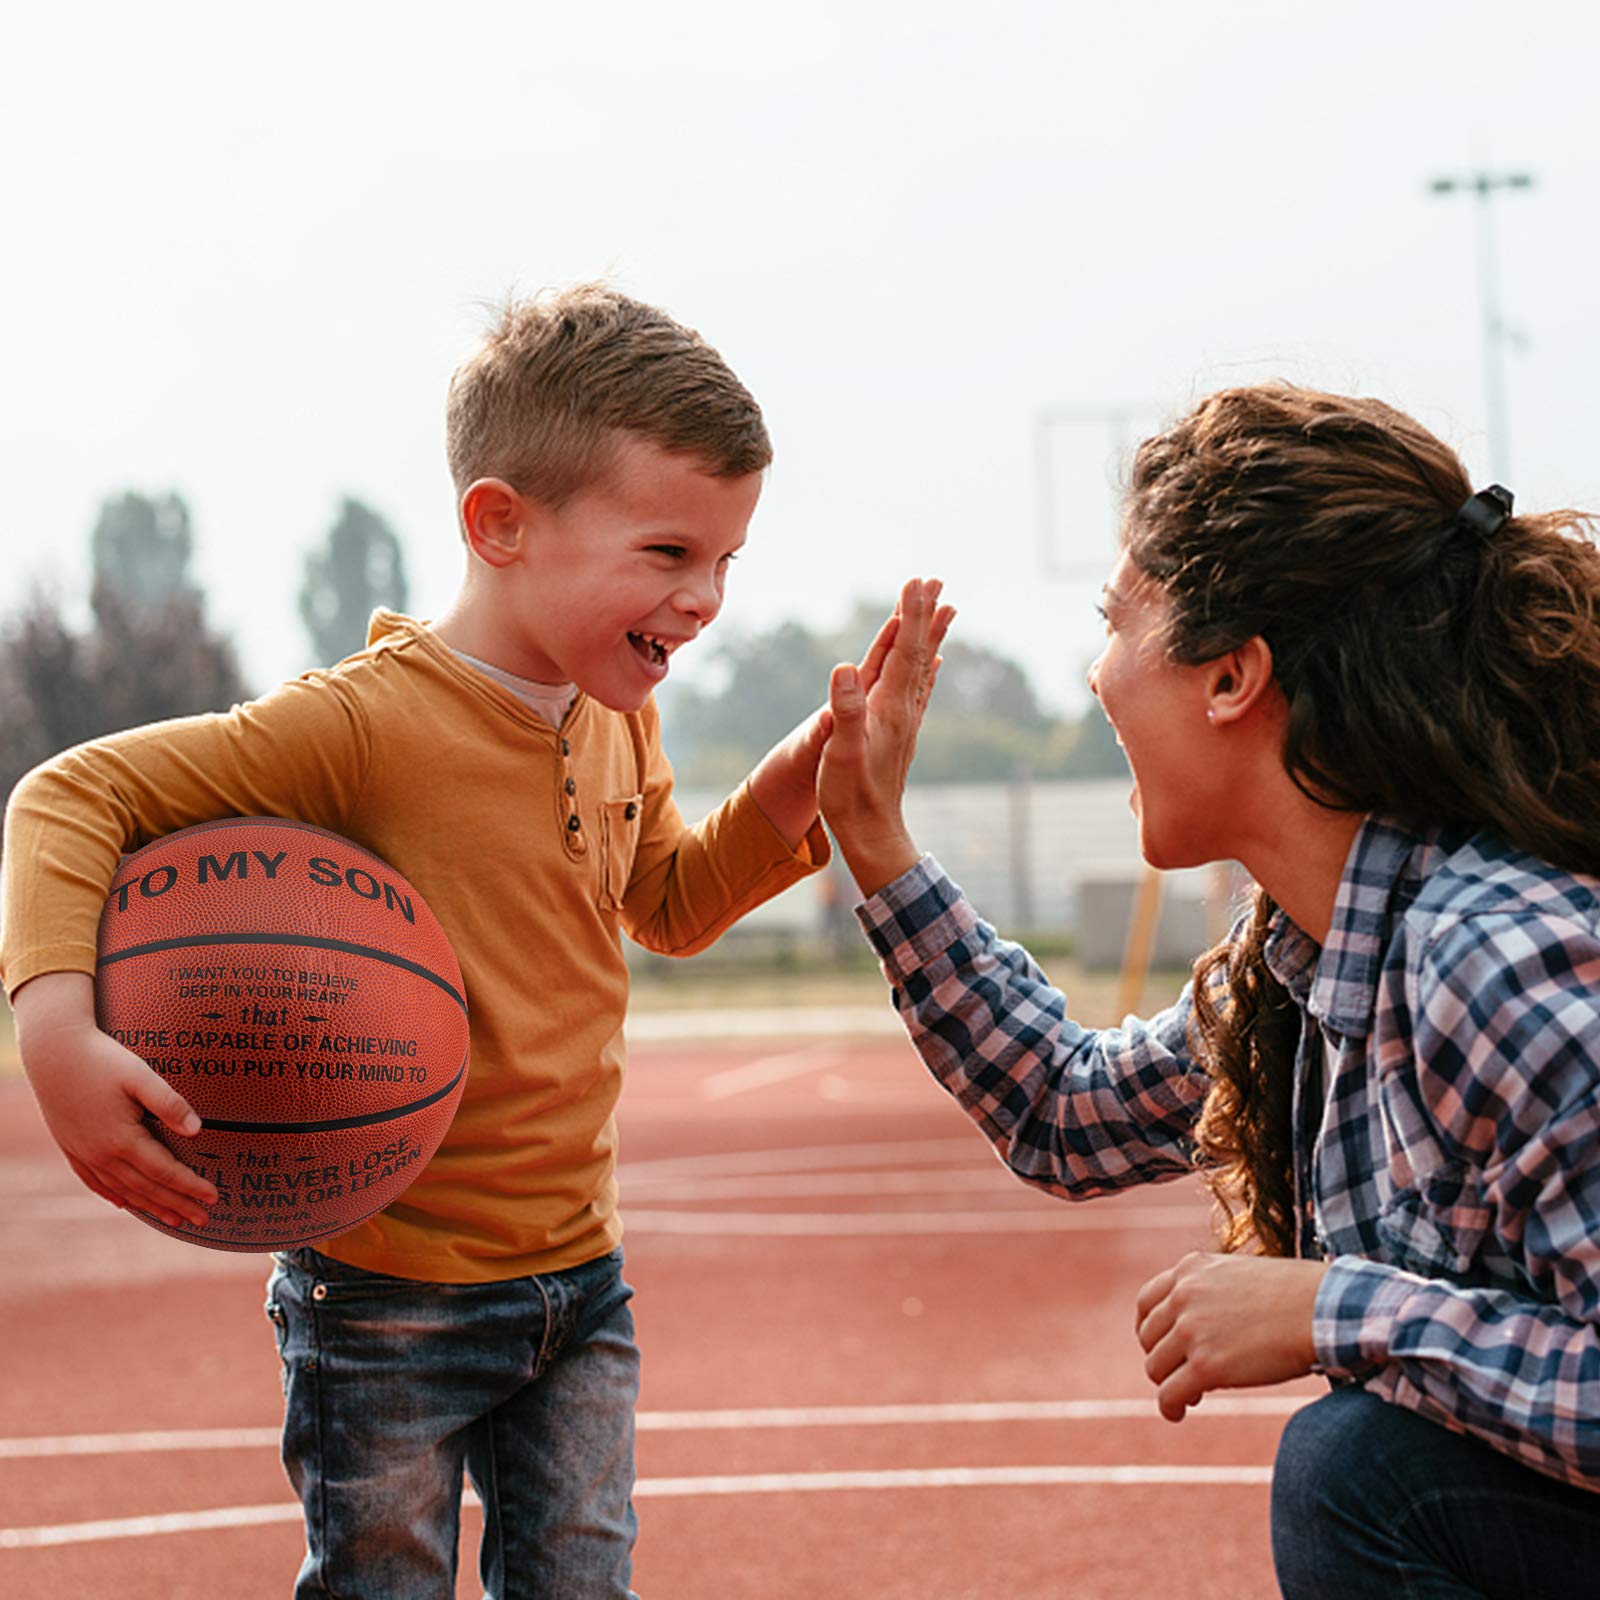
300	995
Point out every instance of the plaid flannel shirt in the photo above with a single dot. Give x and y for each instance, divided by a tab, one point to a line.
1447	1115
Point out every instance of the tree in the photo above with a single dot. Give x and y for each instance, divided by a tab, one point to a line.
984	724
359	567
148	662
148	654
773	680
140	547
46	702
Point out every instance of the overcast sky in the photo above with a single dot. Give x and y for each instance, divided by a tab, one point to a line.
247	244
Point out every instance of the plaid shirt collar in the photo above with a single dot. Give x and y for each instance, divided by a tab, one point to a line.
1338	982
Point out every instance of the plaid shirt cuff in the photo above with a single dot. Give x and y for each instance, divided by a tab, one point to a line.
1357	1308
915	919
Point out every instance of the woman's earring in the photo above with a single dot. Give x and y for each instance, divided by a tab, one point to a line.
1211	713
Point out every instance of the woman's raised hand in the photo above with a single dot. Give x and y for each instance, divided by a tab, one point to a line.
876	710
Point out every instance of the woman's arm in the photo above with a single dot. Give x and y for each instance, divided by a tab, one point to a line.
875	712
1506	1096
1075	1111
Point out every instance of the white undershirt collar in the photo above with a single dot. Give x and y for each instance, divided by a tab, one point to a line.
550	700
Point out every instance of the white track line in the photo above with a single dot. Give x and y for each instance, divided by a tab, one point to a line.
158	1442
945	1478
892	1164
150	1442
57	1208
146	1527
790	1185
677	1488
867	1224
992	1181
765	1071
876	1416
782	1022
811	1158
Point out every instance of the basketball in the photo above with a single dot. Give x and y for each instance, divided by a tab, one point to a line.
301	996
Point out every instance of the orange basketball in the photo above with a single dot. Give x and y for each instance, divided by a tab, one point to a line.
300	995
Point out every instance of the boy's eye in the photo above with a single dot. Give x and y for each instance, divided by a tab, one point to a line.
675	551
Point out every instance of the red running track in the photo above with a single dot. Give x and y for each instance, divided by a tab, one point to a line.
876	1366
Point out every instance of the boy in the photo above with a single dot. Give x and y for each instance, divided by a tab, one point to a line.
506	759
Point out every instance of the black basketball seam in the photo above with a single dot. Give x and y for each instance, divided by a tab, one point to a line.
335	1124
309	941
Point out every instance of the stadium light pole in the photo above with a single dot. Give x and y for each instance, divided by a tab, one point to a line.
1485	185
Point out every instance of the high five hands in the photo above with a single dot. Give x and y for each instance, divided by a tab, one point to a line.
875	711
1211	1321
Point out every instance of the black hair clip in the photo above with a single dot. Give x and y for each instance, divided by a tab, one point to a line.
1485	514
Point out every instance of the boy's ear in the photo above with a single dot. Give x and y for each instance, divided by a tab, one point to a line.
1237	680
493	519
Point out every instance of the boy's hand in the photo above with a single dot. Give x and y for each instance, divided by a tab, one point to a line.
94	1095
875	720
784	783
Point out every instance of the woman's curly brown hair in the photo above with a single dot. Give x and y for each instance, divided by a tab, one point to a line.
1431	675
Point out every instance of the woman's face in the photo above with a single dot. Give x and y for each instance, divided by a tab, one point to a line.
1158	710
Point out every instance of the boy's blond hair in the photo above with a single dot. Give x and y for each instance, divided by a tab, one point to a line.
559	377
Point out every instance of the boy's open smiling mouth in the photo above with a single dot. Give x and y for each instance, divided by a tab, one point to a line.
654	650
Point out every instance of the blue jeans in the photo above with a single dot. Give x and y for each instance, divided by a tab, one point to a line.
393	1386
1372	1502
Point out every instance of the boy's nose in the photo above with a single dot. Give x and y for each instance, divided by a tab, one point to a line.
701	599
1094	676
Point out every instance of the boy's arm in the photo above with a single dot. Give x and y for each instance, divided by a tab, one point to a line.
298	752
784	782
690	884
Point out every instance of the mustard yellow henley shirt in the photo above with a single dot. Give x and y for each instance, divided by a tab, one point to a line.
409	751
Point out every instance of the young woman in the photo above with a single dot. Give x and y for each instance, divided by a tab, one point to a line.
1330	660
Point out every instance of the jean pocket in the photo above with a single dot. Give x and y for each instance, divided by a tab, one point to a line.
620	822
326	1282
1437	1228
279	1318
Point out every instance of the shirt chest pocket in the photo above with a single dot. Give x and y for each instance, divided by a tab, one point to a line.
1439	1227
620	821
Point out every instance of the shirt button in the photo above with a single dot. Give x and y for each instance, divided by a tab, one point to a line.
566	747
630	811
570	786
573	824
